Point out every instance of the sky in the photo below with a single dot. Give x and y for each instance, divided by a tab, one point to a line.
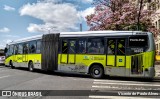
26	18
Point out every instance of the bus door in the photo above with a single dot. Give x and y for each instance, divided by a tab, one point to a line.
116	56
25	54
72	52
121	52
111	56
15	54
20	55
64	54
67	60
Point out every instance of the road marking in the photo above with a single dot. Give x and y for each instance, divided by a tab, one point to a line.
4	76
1	70
122	85
117	97
105	83
118	81
113	87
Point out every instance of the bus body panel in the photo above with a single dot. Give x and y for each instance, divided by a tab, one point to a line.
110	60
82	62
36	59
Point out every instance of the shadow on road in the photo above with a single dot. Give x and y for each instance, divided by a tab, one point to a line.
156	79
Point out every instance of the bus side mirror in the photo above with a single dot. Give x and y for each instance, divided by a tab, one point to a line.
5	50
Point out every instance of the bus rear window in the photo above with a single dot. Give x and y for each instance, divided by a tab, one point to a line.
138	41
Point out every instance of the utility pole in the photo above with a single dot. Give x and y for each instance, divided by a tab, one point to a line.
80	17
80	26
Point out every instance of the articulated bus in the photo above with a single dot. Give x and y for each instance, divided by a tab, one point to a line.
98	53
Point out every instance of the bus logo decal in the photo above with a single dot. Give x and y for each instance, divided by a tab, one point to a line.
120	60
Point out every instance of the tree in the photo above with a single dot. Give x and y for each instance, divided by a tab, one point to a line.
120	15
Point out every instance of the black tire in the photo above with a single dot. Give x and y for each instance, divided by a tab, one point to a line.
97	72
31	66
11	65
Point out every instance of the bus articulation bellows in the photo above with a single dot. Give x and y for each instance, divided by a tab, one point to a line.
98	53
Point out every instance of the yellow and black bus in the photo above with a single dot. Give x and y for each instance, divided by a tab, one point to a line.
98	53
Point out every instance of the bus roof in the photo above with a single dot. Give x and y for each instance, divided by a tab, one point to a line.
97	33
81	34
26	39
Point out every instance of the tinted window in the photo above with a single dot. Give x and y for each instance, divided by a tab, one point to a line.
32	47
9	52
95	46
82	45
138	41
111	46
72	48
121	47
20	48
64	46
25	48
38	46
15	49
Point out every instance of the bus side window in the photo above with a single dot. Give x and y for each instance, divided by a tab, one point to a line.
15	50
38	50
64	46
25	48
20	49
32	47
72	48
82	45
111	46
12	49
121	47
96	46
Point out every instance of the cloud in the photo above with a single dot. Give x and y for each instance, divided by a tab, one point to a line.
49	27
4	42
8	8
87	1
4	30
86	12
61	17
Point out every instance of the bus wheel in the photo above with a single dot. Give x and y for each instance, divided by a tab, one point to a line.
96	71
11	65
31	66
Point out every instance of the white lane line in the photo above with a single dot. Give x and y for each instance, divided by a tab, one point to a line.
3	70
4	76
117	97
106	87
118	81
105	83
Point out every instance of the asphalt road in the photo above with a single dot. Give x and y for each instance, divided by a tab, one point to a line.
22	79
